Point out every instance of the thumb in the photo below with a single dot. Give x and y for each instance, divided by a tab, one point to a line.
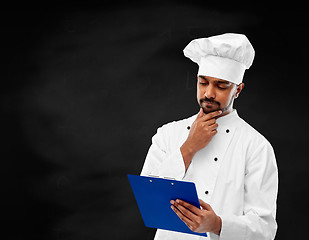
205	206
201	113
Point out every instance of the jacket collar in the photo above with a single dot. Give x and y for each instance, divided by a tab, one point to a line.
229	119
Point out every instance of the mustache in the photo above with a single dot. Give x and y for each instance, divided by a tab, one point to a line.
208	100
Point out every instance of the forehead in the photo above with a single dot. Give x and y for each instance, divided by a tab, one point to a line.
213	79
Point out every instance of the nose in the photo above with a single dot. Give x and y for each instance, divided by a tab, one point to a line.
210	92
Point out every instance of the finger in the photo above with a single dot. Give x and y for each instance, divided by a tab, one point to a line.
187	213
211	115
200	114
213	127
213	133
205	206
210	122
182	217
186	205
210	127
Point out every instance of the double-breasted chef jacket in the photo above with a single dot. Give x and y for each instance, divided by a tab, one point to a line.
236	173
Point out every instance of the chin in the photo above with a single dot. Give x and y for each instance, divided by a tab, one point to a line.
209	110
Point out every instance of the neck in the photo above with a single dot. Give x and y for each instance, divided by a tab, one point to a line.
226	112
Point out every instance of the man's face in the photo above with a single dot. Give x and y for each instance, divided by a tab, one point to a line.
216	94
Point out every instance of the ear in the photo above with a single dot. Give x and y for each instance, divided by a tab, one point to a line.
239	89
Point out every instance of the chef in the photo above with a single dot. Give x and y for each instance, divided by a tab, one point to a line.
232	165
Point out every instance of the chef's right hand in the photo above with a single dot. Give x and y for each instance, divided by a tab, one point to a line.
201	132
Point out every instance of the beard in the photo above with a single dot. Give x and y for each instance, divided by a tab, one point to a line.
210	105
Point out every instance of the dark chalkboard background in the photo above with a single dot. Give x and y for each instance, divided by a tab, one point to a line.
84	88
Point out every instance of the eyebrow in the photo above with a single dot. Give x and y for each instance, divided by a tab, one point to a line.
223	82
218	81
202	77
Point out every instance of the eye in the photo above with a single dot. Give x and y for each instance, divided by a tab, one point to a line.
223	86
203	83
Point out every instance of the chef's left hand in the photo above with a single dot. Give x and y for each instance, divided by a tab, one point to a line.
198	220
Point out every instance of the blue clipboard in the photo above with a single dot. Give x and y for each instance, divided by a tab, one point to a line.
153	197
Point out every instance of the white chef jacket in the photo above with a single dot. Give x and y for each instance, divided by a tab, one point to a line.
236	173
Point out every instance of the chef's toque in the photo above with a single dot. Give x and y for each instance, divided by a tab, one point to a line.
225	56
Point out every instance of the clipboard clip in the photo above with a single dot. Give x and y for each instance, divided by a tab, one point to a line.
169	178
161	177
153	176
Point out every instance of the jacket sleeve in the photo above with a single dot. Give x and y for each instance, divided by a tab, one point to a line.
161	160
258	221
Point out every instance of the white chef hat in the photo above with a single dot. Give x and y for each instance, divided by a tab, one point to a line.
225	56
